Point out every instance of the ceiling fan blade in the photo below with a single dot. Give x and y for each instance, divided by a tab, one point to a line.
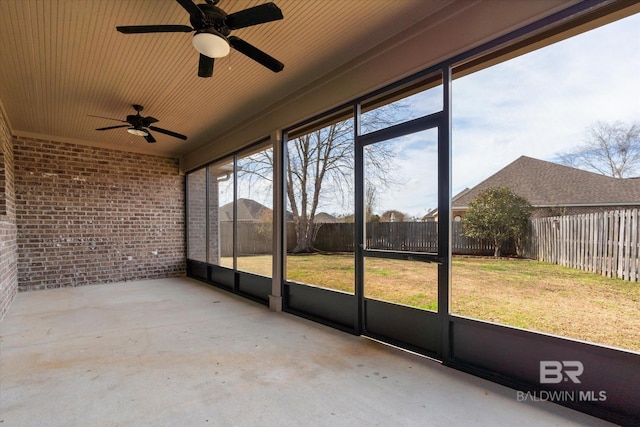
141	29
149	137
167	132
114	127
108	118
253	16
194	11
255	54
148	120
205	66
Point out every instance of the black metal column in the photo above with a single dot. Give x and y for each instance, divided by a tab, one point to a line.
444	214
360	221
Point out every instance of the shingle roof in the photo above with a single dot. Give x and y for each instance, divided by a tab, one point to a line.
549	184
323	217
248	210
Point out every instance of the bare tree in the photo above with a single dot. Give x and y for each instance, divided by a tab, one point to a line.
312	159
611	149
370	201
320	167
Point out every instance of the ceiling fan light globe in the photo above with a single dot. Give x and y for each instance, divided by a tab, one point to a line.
137	132
211	43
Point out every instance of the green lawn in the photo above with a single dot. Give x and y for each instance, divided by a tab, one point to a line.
523	293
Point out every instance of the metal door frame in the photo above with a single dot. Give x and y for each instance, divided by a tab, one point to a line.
435	340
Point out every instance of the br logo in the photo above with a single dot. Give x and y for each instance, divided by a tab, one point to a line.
555	371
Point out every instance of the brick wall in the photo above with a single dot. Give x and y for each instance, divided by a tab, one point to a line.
8	255
91	215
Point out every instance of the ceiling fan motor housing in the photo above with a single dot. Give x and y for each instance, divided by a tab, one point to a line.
214	18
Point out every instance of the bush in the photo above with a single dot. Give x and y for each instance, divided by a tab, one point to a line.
498	215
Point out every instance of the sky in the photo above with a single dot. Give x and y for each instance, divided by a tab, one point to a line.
539	105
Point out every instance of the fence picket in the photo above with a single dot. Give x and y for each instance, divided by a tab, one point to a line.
594	242
610	243
633	273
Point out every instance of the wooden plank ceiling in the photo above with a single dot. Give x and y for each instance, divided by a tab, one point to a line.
63	60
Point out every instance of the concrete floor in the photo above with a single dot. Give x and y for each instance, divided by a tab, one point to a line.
176	352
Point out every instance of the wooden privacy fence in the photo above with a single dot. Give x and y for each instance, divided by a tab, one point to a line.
332	237
255	238
402	236
607	243
422	237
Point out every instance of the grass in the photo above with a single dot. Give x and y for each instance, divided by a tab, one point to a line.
516	292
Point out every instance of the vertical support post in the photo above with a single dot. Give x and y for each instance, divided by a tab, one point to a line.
213	217
235	222
186	217
359	222
279	225
207	232
444	215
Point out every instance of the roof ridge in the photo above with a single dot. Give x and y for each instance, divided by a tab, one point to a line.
544	182
573	168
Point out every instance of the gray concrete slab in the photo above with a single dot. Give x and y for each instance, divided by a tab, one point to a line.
176	352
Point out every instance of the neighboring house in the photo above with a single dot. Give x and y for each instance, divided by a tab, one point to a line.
325	218
251	211
554	189
248	210
432	215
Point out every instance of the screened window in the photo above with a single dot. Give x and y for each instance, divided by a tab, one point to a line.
540	126
221	213
320	206
416	100
254	245
197	215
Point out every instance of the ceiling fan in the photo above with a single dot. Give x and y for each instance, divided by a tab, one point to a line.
140	126
213	26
